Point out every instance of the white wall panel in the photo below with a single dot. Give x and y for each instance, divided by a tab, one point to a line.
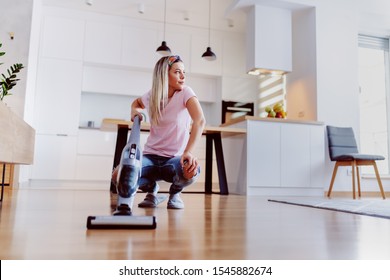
62	38
103	42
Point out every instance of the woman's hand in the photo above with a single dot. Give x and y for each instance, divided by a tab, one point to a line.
137	113
190	164
136	109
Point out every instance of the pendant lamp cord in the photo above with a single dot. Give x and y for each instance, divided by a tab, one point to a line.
209	20
165	16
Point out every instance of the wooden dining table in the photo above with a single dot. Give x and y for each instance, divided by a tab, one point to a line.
213	134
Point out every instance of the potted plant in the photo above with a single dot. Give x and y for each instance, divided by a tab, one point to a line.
9	80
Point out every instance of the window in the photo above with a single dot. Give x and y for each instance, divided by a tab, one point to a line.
374	99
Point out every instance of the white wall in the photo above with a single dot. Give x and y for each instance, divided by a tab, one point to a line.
15	16
302	81
337	76
337	61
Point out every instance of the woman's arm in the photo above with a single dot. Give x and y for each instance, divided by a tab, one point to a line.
136	108
198	123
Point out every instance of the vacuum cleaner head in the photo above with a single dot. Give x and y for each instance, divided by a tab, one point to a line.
121	222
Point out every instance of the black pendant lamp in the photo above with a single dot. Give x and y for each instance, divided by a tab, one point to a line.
208	54
164	50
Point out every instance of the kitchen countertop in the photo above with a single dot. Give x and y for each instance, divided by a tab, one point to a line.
277	120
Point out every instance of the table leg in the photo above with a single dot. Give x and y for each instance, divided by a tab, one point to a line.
209	164
223	186
2	182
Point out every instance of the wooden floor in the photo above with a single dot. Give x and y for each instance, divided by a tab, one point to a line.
51	224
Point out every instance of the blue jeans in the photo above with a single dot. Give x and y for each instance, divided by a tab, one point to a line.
157	168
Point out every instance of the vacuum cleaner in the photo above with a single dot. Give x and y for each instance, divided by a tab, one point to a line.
129	172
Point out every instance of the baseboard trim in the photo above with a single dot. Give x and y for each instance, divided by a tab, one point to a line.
99	185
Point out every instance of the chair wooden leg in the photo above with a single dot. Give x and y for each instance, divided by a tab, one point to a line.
336	166
379	180
353	180
358	181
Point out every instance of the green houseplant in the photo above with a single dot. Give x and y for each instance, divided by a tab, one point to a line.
8	80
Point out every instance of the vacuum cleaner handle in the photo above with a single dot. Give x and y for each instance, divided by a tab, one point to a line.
135	131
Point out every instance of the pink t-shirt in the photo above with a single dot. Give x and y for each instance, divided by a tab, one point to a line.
169	138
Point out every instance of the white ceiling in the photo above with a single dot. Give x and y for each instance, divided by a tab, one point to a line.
197	10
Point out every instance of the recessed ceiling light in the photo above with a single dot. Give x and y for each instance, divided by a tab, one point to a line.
186	15
141	8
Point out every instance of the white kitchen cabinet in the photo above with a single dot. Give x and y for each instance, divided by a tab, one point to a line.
318	149
280	157
116	81
62	38
103	42
264	154
295	155
94	168
139	47
95	142
95	154
55	157
180	44
57	101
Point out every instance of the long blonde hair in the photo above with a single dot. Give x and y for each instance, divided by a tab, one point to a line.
159	97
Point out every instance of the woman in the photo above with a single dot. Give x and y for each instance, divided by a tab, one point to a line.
174	112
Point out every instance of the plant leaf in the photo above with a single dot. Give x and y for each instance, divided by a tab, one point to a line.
9	82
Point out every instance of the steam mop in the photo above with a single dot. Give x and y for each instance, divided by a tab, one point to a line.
129	172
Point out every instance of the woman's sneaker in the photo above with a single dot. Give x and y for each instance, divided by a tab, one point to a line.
175	201
151	200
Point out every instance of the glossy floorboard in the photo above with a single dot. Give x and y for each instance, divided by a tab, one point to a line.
51	224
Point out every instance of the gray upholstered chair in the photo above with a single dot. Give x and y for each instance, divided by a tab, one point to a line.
344	151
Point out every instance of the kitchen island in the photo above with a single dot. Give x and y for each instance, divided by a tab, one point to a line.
276	157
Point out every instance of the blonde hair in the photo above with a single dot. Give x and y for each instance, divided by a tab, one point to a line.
159	96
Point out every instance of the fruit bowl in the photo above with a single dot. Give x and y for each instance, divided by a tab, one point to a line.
277	111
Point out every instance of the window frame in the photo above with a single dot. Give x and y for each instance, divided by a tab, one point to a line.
381	43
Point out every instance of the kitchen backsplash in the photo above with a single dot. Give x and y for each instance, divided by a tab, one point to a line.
96	106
